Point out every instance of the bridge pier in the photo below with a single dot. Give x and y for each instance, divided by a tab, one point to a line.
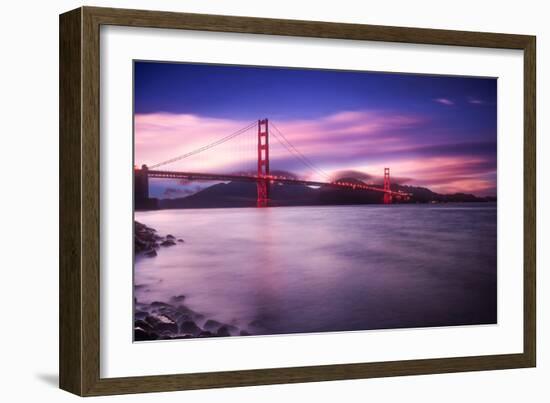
142	201
263	164
387	189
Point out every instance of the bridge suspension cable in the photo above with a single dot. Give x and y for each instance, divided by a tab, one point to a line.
281	138
205	147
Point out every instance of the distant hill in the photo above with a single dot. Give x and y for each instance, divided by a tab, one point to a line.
425	195
243	194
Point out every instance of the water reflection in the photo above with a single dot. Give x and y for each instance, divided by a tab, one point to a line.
311	269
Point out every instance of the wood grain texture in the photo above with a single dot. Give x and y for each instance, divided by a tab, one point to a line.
70	271
80	201
530	203
90	202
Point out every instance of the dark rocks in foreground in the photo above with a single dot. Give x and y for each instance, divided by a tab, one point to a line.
161	320
177	298
212	325
145	238
162	323
190	327
165	321
141	334
147	241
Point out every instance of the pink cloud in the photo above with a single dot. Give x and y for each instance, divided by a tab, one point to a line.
444	101
445	174
349	140
161	136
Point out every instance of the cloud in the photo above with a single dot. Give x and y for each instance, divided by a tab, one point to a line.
361	143
475	101
350	173
444	101
161	136
447	174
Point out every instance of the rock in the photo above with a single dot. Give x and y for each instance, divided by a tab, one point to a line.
190	327
197	316
170	236
233	329
182	317
212	325
244	333
143	229
181	240
178	298
206	333
140	314
151	253
257	324
184	310
159	304
223	331
144	238
139	245
142	335
143	325
161	322
184	336
167	242
166	335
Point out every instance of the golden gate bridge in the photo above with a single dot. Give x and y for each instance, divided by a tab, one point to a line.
262	177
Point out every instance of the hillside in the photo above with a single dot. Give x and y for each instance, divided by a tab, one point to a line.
243	194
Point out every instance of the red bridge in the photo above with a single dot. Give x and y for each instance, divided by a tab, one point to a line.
263	177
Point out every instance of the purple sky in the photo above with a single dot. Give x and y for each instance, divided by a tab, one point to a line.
433	131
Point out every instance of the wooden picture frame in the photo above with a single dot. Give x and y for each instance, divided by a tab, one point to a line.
80	200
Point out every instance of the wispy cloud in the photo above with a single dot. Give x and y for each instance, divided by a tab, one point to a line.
447	174
329	140
361	143
475	101
444	101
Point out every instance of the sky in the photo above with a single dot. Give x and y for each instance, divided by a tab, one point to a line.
433	131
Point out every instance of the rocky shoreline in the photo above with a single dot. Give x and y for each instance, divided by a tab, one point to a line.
147	241
173	319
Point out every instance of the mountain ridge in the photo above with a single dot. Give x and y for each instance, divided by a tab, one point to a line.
243	194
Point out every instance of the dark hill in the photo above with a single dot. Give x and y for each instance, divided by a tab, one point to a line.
243	194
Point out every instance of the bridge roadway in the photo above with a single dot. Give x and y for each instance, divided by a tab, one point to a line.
271	178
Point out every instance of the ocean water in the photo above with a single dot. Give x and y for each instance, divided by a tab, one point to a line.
331	268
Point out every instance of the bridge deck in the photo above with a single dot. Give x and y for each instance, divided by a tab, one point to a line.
272	178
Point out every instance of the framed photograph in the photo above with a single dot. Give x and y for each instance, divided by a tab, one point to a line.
249	201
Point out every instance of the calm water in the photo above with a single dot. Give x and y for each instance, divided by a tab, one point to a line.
312	269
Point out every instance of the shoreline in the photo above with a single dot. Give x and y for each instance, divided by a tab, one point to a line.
172	319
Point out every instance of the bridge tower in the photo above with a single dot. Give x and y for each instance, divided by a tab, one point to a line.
141	184
387	190
142	201
263	163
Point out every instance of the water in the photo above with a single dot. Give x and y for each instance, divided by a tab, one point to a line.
335	268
